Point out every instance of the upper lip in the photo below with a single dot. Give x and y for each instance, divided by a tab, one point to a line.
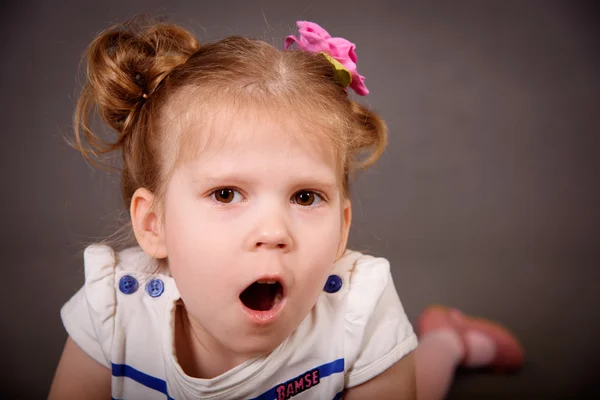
269	277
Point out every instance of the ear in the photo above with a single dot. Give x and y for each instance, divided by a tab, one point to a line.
147	225
346	222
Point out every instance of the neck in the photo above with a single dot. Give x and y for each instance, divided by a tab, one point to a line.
199	354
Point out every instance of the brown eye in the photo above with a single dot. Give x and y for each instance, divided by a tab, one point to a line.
306	198
225	195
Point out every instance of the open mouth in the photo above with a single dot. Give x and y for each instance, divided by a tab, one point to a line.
262	295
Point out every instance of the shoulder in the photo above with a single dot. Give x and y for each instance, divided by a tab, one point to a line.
368	274
368	279
90	315
377	331
102	263
365	279
110	274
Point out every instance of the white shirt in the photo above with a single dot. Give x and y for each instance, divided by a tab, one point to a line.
349	337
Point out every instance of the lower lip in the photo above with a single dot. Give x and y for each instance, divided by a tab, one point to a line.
264	317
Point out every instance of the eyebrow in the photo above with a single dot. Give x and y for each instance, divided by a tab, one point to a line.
215	179
237	179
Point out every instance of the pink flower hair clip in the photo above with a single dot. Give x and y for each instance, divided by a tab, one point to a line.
338	51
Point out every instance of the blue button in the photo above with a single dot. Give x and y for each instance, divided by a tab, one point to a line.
128	284
334	283
155	287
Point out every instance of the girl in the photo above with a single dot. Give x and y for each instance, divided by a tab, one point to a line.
237	160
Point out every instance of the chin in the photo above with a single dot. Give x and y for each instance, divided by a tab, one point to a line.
258	345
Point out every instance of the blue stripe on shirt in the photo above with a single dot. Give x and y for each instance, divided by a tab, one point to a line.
141	378
324	371
161	386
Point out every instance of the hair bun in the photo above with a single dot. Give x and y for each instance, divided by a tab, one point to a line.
127	62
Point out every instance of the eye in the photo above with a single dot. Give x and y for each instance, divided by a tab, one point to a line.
227	196
307	198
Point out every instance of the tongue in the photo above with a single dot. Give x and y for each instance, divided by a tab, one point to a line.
258	296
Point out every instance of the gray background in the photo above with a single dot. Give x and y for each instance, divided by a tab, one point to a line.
486	199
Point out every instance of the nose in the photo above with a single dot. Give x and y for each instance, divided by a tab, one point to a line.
271	232
273	239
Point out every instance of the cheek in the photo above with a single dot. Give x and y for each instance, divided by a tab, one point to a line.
197	249
320	246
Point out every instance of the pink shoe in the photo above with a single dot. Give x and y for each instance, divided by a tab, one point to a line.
509	352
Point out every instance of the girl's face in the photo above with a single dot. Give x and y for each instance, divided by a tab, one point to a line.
252	228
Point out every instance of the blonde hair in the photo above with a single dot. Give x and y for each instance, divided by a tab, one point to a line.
136	69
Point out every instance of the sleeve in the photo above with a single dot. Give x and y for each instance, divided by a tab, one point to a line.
378	333
88	316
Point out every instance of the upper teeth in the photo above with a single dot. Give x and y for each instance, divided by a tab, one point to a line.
268	281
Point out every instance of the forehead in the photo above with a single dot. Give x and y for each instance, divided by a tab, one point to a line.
235	136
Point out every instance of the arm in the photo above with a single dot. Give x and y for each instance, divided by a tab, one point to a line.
397	382
78	376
